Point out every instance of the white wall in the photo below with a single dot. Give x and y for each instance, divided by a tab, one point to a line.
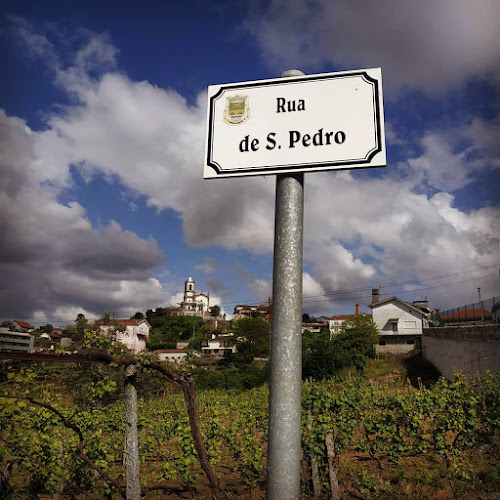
409	320
172	356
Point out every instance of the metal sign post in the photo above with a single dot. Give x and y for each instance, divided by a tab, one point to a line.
283	458
287	126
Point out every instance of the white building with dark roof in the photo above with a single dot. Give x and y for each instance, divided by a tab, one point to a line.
400	324
218	346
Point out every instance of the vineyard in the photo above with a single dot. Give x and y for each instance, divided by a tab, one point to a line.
361	439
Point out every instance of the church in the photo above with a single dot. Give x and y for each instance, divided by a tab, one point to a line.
194	303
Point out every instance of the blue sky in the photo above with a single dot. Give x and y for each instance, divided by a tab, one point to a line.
102	129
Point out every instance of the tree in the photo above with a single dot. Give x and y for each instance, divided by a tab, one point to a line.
138	315
357	339
159	341
307	318
215	311
48	328
255	333
105	319
77	331
322	356
362	330
202	333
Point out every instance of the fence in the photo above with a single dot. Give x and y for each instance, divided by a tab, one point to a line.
484	312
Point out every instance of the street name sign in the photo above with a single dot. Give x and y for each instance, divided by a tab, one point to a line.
328	121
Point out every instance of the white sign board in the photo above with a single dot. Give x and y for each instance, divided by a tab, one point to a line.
328	121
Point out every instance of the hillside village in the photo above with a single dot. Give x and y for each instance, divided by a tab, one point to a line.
209	336
364	379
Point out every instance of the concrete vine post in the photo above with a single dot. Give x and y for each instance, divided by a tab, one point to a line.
332	457
131	455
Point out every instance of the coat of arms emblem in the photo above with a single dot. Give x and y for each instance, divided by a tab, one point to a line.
237	110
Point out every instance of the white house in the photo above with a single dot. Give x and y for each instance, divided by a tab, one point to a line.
314	327
218	345
399	323
243	311
335	322
135	335
21	326
175	355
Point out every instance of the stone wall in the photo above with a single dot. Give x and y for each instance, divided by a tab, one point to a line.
473	350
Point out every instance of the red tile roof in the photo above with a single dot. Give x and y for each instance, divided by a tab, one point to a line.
131	321
23	324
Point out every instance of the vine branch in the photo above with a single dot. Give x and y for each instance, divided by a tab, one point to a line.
81	440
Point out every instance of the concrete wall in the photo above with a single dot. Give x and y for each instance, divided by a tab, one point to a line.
472	350
398	344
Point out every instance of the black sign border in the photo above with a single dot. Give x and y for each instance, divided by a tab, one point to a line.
342	165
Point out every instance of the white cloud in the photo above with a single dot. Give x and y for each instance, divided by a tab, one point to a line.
438	166
51	256
208	266
426	44
262	289
358	230
485	134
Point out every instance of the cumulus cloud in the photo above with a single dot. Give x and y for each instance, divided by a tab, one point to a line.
359	230
51	258
485	134
438	166
208	266
425	44
366	231
262	289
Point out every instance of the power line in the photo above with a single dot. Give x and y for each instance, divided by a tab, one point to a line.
403	292
380	286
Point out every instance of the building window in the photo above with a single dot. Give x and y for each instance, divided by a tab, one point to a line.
394	327
382	342
410	341
409	324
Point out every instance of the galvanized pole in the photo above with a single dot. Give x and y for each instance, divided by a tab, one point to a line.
283	462
480	305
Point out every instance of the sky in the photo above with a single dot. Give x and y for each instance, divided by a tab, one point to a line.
103	205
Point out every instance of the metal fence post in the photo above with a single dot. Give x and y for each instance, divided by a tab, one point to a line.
283	465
